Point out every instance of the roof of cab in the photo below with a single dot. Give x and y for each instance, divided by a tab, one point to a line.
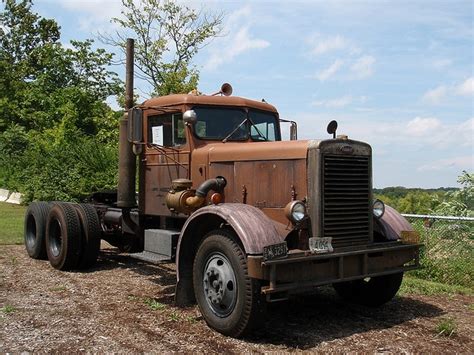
217	100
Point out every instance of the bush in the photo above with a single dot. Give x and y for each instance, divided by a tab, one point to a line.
61	164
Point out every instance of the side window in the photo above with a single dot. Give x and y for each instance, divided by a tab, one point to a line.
166	130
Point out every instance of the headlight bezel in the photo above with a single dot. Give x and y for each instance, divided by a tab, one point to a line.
295	211
378	206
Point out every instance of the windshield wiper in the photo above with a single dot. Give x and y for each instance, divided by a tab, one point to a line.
240	125
234	130
256	128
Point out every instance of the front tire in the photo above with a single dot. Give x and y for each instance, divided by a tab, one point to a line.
228	298
371	292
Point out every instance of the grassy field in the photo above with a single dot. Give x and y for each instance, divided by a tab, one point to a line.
11	223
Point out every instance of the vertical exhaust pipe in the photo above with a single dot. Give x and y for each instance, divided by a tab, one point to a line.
127	159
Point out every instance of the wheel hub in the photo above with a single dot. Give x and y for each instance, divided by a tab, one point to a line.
219	284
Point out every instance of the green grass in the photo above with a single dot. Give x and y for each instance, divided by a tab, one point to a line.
11	223
446	327
7	309
154	304
414	286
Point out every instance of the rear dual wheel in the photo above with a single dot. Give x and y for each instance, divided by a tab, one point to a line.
90	237
35	229
63	236
68	234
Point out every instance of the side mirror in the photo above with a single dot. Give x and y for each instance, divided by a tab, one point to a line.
135	125
190	116
293	131
332	128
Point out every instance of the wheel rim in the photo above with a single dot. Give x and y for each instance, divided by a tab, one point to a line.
55	237
30	231
220	288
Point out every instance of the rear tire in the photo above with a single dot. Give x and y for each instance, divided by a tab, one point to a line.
228	298
91	235
35	229
373	292
63	236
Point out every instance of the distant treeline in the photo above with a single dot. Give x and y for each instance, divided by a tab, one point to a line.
400	191
444	200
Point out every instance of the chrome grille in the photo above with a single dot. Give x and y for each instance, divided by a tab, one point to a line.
346	199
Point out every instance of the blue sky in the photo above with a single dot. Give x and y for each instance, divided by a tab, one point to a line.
397	74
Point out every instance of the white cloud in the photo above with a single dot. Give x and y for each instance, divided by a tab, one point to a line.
322	45
440	93
466	88
327	73
238	40
93	15
435	96
363	67
419	127
455	163
427	133
339	102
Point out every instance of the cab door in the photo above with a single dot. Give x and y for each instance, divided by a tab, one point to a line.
166	157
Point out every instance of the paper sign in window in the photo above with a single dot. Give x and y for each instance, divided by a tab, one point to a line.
157	135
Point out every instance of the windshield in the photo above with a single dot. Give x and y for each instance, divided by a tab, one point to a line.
233	124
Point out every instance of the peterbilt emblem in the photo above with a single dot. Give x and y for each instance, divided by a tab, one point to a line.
347	149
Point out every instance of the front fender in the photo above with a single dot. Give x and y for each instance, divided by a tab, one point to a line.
253	228
392	224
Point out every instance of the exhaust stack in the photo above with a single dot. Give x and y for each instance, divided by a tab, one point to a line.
127	159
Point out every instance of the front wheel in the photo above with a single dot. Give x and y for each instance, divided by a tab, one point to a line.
372	291
228	298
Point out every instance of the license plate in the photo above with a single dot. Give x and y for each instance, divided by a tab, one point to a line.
275	251
320	245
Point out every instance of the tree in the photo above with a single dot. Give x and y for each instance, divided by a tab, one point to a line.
39	76
460	202
167	37
57	135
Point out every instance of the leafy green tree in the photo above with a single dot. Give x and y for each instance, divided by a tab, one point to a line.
168	35
460	202
57	135
39	75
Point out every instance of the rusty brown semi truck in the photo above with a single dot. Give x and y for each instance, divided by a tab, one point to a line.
247	217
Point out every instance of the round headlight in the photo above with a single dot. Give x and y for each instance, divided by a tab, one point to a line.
295	211
378	208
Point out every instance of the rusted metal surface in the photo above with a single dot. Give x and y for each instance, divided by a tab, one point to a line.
127	159
256	151
251	225
393	223
303	269
188	101
318	150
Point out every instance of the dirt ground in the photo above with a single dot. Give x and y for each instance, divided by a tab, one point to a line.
124	305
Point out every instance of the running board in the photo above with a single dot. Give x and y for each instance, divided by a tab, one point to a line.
159	246
150	257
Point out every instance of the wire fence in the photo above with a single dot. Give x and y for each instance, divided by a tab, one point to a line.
448	255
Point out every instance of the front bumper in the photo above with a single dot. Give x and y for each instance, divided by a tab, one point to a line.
302	269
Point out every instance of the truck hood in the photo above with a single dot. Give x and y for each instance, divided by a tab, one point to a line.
245	151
